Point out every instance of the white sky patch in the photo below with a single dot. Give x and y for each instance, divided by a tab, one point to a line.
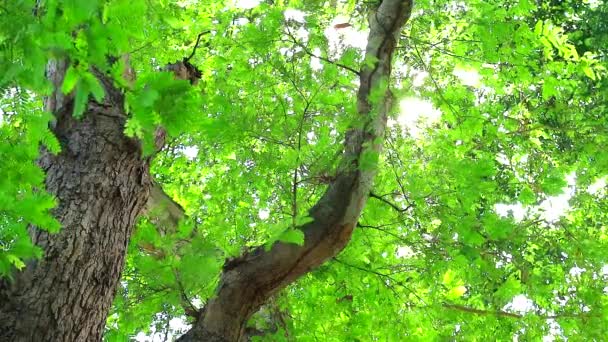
301	34
288	52
593	4
517	159
186	3
555	330
190	152
176	324
315	63
246	4
595	188
520	304
576	271
415	114
263	214
507	258
427	237
295	15
550	210
571	180
554	207
311	137
467	76
197	302
343	37
241	21
404	252
604	271
517	210
418	78
503	159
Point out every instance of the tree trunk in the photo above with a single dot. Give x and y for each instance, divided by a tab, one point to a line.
102	184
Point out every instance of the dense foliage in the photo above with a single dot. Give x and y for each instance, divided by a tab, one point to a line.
488	215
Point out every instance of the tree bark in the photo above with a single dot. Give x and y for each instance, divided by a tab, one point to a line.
102	183
248	281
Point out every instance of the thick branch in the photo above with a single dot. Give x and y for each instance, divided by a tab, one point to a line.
247	282
163	211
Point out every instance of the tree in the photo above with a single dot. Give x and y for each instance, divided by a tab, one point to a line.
209	162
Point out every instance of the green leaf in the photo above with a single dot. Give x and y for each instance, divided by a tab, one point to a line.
292	235
15	261
456	292
70	80
95	87
588	71
80	100
448	277
554	184
527	196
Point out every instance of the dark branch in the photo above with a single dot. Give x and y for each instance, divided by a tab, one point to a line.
391	204
481	312
501	313
325	59
198	40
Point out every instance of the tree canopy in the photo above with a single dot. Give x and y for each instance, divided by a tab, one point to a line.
262	123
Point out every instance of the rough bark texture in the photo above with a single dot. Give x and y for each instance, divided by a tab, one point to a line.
247	282
102	183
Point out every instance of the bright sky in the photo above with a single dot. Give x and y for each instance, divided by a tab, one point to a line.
551	209
178	324
190	152
246	4
415	114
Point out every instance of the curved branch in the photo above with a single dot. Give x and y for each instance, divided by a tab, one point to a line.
389	203
198	40
248	281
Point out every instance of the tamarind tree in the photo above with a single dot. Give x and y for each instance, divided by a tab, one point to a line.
289	170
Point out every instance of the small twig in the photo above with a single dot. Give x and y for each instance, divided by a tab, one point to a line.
391	204
189	308
379	228
502	313
346	67
435	83
325	59
142	47
481	312
198	40
382	275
